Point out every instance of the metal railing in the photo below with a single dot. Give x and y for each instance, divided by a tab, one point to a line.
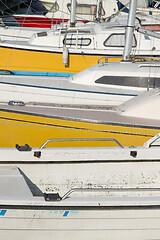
92	190
132	58
106	59
82	140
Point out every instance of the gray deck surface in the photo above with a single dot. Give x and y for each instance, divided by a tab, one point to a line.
81	114
13	185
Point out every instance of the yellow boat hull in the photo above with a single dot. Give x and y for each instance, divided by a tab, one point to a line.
28	60
17	128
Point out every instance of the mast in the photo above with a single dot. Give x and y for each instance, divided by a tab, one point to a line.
73	13
98	10
130	29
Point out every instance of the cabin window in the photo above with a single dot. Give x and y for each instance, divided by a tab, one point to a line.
86	9
75	31
150	66
118	40
41	34
143	82
79	42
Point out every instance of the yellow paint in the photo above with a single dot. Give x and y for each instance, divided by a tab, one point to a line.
20	129
24	60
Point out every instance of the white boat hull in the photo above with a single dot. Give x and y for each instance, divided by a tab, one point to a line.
121	201
80	224
64	96
17	33
61	177
59	169
81	89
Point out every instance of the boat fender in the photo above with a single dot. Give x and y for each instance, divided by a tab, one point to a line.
65	56
37	154
133	153
26	147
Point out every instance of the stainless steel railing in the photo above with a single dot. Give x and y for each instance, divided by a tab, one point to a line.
82	140
92	190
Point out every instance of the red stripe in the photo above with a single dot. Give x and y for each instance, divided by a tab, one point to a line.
152	27
42	22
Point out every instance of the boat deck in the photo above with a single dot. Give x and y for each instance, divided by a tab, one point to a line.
106	115
13	188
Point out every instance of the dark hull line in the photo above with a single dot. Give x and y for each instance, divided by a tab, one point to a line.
81	208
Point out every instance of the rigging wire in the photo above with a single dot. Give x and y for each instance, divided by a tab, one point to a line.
13	47
6	6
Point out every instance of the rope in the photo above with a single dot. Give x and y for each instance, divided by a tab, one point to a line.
117	13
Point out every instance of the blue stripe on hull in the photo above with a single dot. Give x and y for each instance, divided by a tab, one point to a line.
3	212
53	74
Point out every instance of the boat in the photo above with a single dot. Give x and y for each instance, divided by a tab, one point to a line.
25	123
9	8
149	22
99	85
56	13
147	13
121	199
89	217
62	50
150	7
51	168
41	114
17	33
45	14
